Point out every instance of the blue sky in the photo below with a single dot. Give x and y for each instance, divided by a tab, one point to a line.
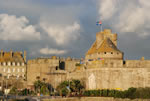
68	27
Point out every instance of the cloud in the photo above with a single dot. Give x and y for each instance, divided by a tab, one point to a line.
127	15
107	8
62	34
51	51
17	28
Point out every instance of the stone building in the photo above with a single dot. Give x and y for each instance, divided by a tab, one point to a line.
105	68
105	47
52	70
12	66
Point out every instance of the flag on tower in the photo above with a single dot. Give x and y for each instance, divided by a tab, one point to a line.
99	23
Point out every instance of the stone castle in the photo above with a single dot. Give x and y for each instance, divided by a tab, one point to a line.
102	68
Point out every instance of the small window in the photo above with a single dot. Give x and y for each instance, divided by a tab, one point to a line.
22	69
13	69
104	52
22	64
4	63
13	63
117	53
9	70
4	70
18	70
56	67
111	52
18	64
9	63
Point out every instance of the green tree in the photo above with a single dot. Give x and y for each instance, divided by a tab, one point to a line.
13	91
41	87
73	86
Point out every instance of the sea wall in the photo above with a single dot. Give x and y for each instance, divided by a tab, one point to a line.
113	78
94	99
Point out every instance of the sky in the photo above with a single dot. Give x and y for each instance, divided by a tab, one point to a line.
68	27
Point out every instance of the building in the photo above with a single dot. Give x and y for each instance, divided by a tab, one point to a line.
105	47
105	67
52	70
12	66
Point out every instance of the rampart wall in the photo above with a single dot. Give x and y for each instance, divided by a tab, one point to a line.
93	99
115	74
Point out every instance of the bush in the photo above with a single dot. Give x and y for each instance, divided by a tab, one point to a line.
64	92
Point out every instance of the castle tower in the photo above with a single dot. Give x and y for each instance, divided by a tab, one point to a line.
105	47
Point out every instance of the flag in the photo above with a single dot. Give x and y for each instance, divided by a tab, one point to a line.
99	23
99	58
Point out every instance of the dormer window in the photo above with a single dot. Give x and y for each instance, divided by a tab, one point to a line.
9	63
22	64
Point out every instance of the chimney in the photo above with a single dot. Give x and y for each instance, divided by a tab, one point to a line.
11	53
1	53
24	56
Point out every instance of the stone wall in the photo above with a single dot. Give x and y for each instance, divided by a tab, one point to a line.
93	99
113	78
41	69
52	70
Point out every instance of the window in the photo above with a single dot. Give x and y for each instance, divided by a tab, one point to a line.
18	64
13	63
22	64
111	52
13	69
9	63
22	69
8	70
8	76
17	76
18	70
104	52
4	63
4	69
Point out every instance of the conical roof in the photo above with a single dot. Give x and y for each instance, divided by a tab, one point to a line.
107	46
92	49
